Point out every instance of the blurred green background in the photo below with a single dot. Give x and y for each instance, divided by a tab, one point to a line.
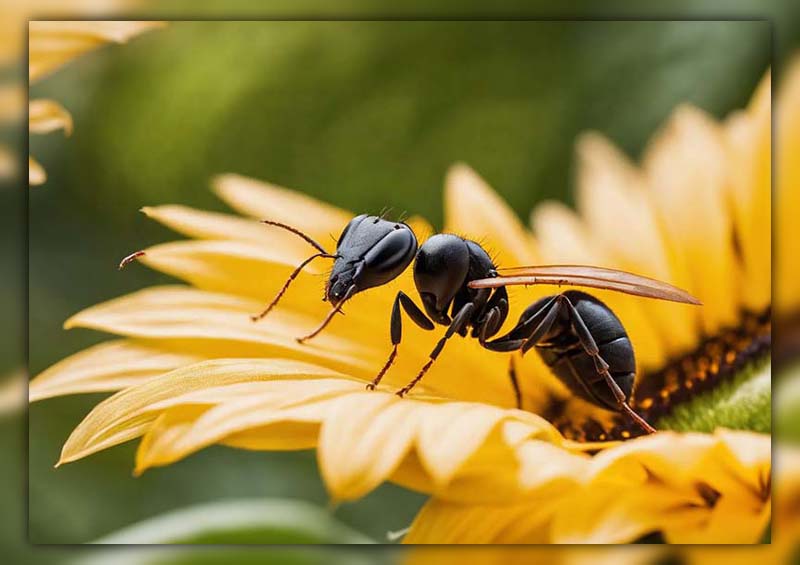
364	115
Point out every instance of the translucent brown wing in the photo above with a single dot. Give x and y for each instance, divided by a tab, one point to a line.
585	275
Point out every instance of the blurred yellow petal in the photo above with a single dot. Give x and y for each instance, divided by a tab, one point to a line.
267	201
51	44
109	366
787	234
690	487
36	174
441	522
474	210
686	167
563	239
12	392
617	210
45	116
750	137
627	555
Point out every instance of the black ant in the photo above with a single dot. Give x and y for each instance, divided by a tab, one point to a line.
577	336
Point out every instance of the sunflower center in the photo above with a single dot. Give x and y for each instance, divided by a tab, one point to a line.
716	360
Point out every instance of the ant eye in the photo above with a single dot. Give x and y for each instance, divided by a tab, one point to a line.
392	254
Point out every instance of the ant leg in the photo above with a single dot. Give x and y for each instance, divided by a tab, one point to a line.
512	374
396	325
335	310
297	232
300	267
492	316
517	337
544	319
459	322
543	327
590	346
489	322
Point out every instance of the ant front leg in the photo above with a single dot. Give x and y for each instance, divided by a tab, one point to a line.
590	346
459	322
396	325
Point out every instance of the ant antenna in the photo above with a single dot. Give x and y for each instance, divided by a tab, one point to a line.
284	288
335	310
297	232
130	259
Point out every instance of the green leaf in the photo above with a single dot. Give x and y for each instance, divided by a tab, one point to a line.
744	403
266	521
787	404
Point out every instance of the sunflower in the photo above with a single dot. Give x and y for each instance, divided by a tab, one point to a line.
51	45
191	368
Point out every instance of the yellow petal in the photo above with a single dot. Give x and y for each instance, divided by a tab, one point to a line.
242	268
53	43
130	413
45	116
213	225
450	433
635	488
267	201
12	392
651	483
367	437
627	555
363	441
36	174
622	222
109	366
265	415
221	321
749	136
686	166
619	516
474	210
258	415
442	522
787	288
563	239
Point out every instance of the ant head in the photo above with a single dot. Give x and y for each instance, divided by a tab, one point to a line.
439	273
370	252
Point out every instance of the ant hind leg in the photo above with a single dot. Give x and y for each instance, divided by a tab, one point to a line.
590	346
